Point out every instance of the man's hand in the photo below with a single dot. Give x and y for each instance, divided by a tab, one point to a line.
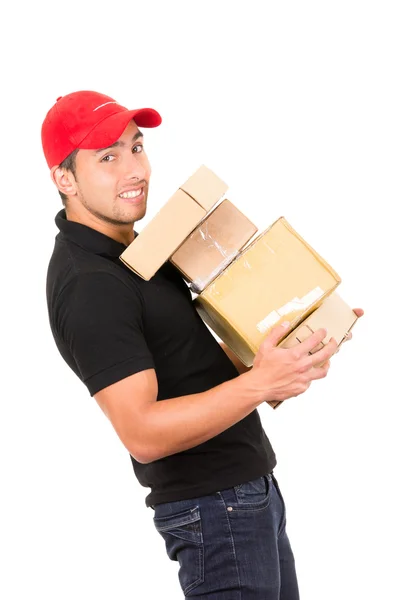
280	373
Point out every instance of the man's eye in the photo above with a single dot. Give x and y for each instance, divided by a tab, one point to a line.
138	148
107	158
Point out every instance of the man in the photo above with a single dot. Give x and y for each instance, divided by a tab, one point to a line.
183	405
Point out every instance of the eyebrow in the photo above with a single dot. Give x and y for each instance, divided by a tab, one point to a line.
117	144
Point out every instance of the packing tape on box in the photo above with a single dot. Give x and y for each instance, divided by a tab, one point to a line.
295	305
204	233
198	285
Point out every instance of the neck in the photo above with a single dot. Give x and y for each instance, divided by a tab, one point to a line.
122	233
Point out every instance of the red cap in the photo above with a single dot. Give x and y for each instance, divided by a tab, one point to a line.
88	120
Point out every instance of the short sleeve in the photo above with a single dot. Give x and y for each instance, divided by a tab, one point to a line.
100	321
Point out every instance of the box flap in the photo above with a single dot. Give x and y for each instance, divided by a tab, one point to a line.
205	187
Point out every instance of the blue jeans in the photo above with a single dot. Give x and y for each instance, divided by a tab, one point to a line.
231	545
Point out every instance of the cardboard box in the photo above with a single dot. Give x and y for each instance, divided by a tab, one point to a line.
334	315
277	277
173	223
205	187
213	245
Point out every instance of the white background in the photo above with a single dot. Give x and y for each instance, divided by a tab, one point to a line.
293	104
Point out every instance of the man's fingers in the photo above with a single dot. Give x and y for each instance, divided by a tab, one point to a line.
320	372
327	364
311	342
325	353
321	356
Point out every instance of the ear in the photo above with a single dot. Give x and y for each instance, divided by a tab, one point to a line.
64	180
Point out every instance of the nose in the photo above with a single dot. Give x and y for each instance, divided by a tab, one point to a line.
134	169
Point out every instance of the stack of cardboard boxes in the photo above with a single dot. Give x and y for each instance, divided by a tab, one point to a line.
246	282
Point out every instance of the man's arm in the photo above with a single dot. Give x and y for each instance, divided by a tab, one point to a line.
240	366
151	430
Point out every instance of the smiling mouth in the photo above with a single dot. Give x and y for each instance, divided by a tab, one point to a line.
132	194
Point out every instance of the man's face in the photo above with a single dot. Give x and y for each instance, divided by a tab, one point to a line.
113	183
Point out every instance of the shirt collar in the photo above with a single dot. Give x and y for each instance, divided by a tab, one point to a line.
87	238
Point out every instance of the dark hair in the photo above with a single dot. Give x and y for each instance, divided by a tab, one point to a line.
69	164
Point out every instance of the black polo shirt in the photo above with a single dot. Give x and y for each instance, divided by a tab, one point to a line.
108	323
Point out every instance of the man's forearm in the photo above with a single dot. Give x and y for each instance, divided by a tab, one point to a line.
177	424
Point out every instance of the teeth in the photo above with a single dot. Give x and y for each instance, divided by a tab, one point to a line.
133	194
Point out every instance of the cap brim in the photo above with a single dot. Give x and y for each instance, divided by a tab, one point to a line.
110	129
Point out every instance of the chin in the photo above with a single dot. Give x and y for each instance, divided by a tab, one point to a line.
140	213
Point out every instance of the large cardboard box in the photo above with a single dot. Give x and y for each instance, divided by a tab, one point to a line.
213	245
277	277
173	223
334	314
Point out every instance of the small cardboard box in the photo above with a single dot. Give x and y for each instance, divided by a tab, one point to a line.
173	223
334	315
213	245
277	277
